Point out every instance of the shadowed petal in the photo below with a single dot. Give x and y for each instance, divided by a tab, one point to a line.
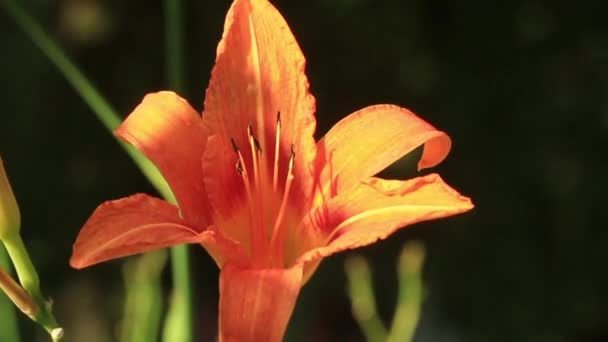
127	226
259	72
377	208
369	140
170	132
225	188
256	304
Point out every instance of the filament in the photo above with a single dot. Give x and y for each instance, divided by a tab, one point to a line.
277	224
275	172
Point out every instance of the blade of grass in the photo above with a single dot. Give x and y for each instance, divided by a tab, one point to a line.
179	322
87	91
110	119
9	331
102	109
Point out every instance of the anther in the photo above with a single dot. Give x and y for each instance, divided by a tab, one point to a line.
242	170
240	163
234	146
258	147
253	140
239	167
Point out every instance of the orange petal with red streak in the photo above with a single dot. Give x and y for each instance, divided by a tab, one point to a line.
225	187
256	304
259	72
377	208
127	226
369	140
171	134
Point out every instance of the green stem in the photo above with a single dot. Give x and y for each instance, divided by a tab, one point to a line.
179	324
28	277
411	290
175	45
111	120
143	300
106	114
363	300
9	331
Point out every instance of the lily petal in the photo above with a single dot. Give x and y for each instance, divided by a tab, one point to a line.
225	189
256	304
377	208
127	226
223	249
171	133
259	72
369	140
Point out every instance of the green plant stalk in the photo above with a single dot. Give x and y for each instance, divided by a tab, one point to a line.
111	120
143	302
179	322
106	114
28	277
8	317
407	314
411	293
17	294
175	45
362	299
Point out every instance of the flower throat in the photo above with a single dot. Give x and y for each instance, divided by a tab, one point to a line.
266	246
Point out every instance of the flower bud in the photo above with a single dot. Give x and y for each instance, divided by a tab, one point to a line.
10	218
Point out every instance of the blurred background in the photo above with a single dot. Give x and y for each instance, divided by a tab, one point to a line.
520	86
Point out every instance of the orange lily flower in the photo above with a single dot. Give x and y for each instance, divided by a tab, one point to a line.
253	187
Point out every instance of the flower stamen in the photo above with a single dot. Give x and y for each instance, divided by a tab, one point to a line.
277	247
255	150
261	234
275	172
242	170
